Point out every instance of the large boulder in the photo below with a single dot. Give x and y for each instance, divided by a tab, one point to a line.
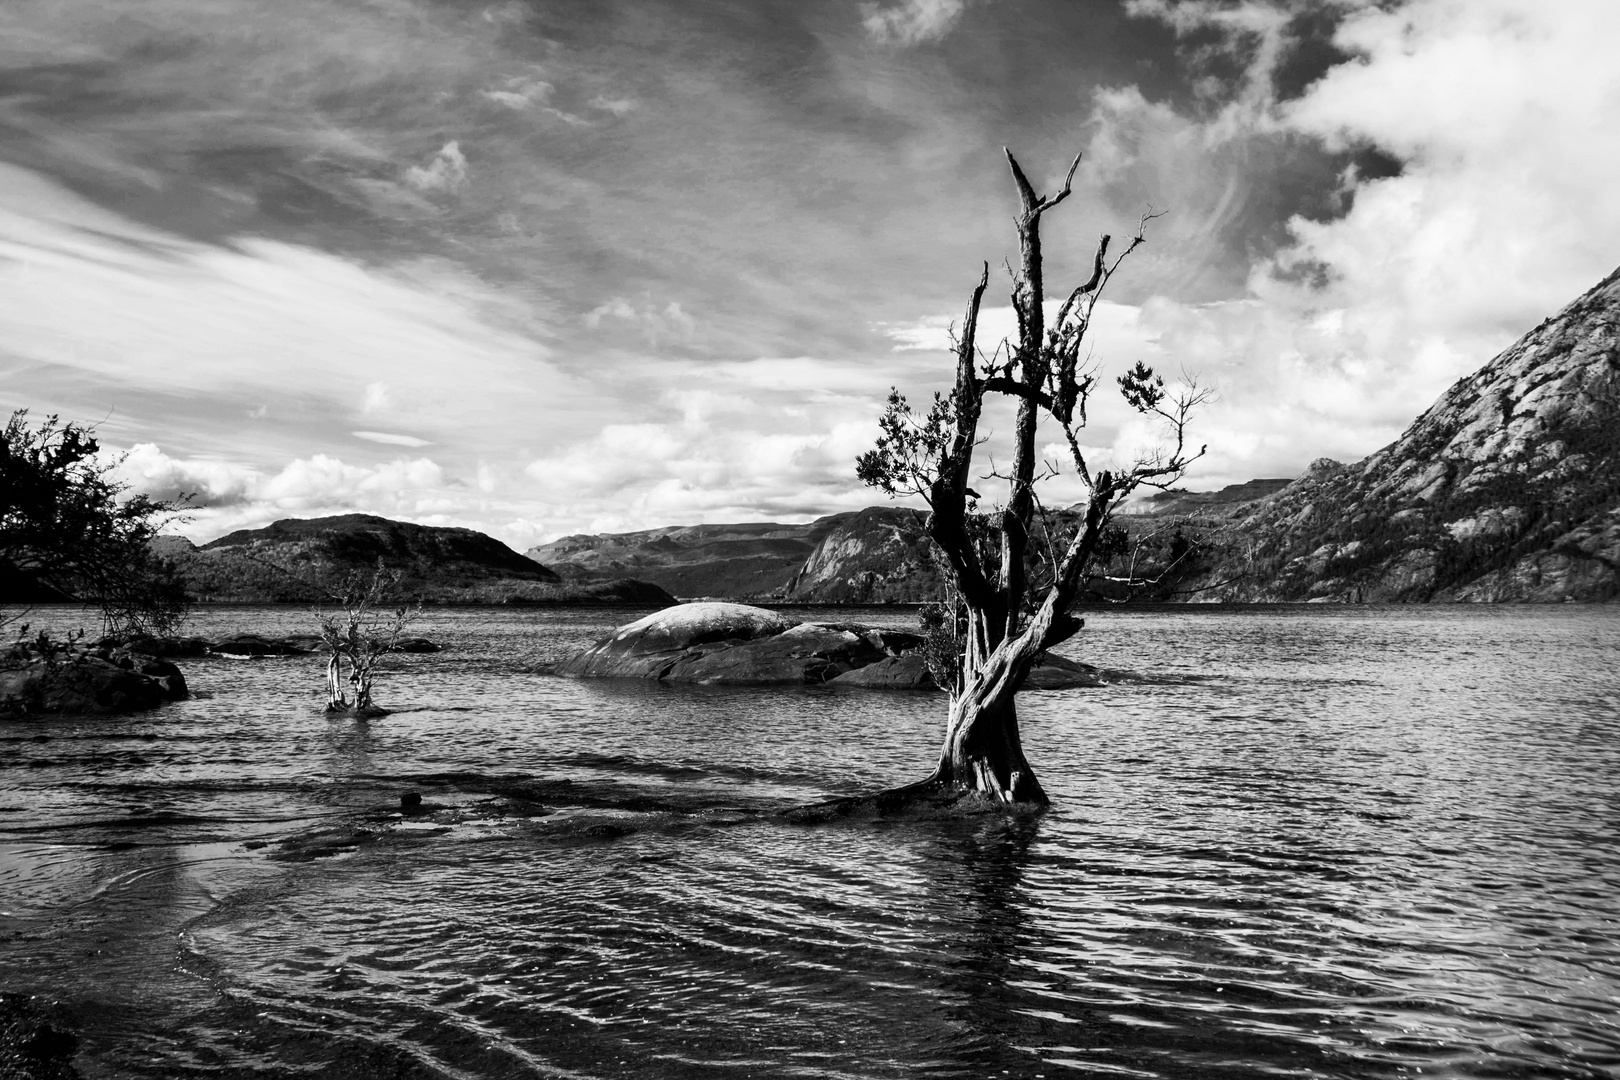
1057	673
735	644
907	672
910	672
82	683
806	653
650	647
159	670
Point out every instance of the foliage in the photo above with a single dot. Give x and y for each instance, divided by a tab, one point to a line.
41	646
69	529
359	632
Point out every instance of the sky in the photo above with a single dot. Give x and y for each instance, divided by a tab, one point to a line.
540	267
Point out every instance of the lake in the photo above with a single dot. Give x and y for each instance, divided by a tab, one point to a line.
1301	841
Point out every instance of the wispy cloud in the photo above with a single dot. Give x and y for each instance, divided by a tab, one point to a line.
673	266
445	171
391	438
911	22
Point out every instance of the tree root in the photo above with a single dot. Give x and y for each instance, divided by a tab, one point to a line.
359	712
933	796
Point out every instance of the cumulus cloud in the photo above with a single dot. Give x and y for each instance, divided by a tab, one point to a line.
209	483
659	325
445	171
911	22
226	495
724	453
1498	112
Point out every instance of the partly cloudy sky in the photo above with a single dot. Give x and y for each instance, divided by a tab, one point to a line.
549	266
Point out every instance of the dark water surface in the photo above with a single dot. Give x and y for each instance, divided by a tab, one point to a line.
1293	841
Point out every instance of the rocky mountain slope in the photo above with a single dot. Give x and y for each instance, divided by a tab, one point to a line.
297	558
1507	488
873	556
753	559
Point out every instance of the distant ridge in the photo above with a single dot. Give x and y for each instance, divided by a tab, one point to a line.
751	560
295	558
1507	488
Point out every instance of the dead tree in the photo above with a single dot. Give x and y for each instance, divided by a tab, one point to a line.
363	629
1006	615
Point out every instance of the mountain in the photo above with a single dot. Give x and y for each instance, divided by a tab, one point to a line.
1507	488
873	556
754	559
297	559
1179	503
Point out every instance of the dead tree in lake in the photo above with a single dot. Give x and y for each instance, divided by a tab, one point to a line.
363	630
1014	570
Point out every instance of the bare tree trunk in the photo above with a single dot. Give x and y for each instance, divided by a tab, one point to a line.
360	679
334	686
983	752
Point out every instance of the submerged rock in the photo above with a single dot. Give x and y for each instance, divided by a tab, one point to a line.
35	1041
1058	673
252	646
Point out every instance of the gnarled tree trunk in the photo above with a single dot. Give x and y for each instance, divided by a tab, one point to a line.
932	457
983	753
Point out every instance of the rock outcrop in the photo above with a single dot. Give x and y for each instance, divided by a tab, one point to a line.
874	556
95	681
735	644
1507	488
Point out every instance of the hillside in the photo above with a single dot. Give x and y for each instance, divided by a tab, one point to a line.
755	559
873	556
1507	488
297	558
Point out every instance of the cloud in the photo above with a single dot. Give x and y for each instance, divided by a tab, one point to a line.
911	22
376	399
445	171
229	495
521	92
618	106
1500	212
390	438
148	470
192	334
726	450
657	325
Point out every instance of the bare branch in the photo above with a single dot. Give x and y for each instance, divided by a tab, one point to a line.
1068	185
1026	194
1001	384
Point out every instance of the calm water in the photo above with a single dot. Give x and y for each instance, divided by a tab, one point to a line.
1303	842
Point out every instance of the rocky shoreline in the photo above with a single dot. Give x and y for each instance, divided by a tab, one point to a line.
112	676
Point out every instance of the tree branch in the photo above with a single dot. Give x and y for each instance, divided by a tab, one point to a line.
1001	384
